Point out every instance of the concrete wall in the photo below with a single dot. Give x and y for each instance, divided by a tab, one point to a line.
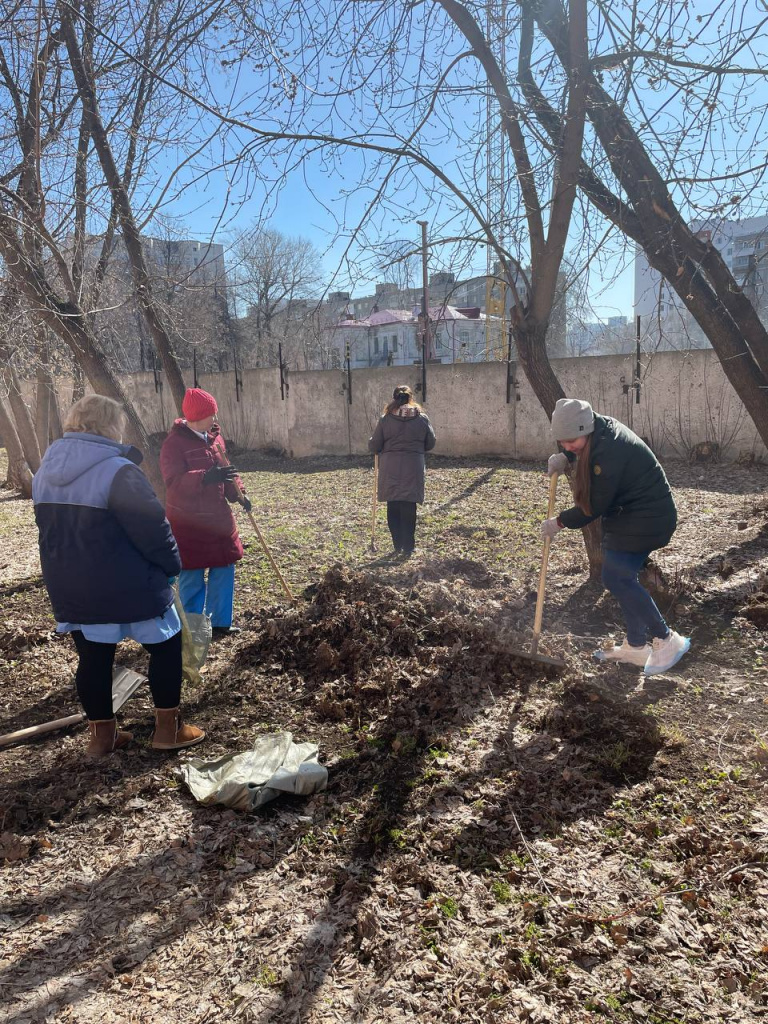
685	399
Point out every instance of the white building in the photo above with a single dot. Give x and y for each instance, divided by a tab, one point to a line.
392	337
743	245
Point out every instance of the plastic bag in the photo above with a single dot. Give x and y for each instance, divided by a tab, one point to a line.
245	781
195	640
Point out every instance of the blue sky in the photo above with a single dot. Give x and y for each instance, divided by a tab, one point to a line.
309	212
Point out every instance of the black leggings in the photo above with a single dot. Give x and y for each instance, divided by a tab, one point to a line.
94	674
401	520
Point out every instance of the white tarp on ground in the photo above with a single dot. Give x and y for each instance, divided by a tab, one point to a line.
274	765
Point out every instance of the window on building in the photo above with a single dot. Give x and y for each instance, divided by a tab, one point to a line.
375	346
464	337
394	343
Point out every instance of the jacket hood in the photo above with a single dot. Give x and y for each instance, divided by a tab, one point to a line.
180	426
76	453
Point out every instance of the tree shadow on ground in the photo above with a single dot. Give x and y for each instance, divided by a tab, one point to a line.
468	491
602	743
578	734
261	462
136	909
33	583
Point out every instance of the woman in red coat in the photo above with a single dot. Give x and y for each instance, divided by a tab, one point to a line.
200	483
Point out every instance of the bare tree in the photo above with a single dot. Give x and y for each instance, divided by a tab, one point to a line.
640	203
58	195
275	279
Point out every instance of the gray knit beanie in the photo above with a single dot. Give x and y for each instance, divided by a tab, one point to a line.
572	418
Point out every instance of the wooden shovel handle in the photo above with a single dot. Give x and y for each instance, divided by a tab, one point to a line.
39	730
543	574
375	497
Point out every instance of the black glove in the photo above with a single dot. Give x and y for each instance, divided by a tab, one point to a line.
246	504
219	475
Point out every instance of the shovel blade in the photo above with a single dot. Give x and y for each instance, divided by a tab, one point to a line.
125	682
540	659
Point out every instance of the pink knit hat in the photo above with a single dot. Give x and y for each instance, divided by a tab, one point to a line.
198	405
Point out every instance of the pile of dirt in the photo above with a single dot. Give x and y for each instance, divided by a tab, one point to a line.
756	607
401	654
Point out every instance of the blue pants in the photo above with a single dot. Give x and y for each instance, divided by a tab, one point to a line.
644	620
217	599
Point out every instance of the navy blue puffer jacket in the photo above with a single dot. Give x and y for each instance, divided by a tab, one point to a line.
106	548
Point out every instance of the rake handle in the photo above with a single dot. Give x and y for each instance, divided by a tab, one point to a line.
543	573
258	532
375	500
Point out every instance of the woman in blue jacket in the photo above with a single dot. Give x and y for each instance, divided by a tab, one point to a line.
108	557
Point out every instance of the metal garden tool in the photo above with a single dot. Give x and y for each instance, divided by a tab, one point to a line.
125	682
533	654
258	533
375	500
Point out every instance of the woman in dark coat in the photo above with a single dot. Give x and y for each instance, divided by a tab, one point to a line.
108	558
200	484
402	436
619	480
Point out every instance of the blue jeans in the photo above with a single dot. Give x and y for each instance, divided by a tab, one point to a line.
644	620
217	598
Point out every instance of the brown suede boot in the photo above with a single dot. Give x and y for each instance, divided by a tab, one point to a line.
171	734
105	737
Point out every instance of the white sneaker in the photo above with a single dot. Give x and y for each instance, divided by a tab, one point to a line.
626	654
666	653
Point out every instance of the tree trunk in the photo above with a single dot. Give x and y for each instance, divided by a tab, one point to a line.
25	426
691	266
43	408
530	339
78	382
19	474
142	283
69	322
43	390
55	429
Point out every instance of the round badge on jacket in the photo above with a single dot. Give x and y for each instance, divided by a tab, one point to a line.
597	471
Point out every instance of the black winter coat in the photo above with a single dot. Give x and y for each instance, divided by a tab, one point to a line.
628	489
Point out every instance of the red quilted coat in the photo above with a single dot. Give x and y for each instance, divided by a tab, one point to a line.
199	514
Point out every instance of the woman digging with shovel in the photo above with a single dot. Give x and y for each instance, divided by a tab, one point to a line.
618	479
107	554
200	485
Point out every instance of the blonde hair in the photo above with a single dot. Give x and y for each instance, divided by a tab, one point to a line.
96	414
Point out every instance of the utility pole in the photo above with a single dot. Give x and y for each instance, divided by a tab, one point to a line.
425	287
425	339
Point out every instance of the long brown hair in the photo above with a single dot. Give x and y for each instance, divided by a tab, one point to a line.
402	396
582	480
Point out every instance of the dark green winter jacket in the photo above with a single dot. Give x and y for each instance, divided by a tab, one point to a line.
628	489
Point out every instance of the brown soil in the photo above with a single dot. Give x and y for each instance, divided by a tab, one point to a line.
499	842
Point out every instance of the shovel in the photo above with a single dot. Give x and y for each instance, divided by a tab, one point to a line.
375	500
532	655
125	682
